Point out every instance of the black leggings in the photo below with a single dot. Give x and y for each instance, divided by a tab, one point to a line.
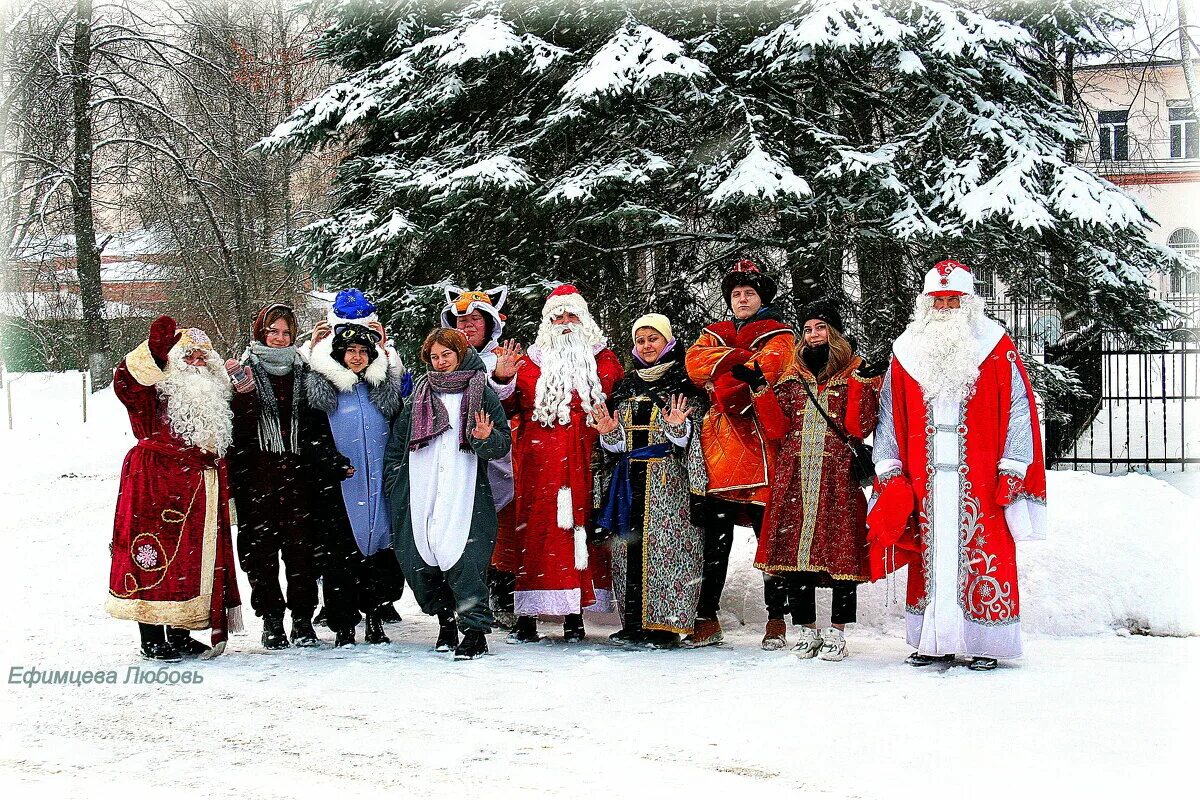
802	598
720	517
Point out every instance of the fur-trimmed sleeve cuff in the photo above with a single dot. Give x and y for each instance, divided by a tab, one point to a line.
395	364
503	390
143	367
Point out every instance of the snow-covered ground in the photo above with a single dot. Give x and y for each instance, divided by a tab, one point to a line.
1091	710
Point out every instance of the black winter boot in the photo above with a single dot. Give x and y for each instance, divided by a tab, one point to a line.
922	660
319	619
628	636
573	628
375	634
344	638
474	644
388	613
525	631
303	634
659	640
181	639
154	644
273	637
447	633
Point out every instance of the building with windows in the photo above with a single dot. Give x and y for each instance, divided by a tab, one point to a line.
1145	137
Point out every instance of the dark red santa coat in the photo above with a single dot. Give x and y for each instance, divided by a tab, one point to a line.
172	556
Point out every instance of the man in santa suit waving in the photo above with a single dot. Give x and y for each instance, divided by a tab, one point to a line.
960	475
567	373
172	557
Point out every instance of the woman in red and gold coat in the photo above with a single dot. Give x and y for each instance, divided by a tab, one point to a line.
814	532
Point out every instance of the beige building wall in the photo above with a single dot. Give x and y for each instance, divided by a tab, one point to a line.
1168	187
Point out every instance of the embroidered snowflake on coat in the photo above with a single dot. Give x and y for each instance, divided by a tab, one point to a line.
146	557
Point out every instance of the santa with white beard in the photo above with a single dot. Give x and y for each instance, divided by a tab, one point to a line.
960	477
565	375
172	556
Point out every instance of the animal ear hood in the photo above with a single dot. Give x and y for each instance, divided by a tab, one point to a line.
460	302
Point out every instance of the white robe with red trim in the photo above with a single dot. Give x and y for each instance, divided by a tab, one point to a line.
960	458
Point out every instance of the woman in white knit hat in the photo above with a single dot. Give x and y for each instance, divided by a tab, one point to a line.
657	546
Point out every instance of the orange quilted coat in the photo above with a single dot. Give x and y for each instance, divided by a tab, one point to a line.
739	458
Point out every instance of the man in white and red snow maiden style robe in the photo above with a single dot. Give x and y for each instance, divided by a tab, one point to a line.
172	556
564	375
960	475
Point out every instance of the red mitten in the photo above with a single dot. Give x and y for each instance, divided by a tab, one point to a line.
163	337
888	519
1009	488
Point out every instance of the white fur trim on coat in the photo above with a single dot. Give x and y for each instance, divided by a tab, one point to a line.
333	319
320	358
581	551
566	509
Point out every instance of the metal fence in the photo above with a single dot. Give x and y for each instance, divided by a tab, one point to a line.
1140	409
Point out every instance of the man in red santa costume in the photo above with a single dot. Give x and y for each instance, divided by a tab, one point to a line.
172	556
960	475
567	373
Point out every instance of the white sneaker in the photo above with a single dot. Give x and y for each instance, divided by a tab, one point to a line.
808	642
833	645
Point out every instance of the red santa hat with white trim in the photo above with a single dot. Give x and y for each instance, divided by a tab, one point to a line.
565	298
949	278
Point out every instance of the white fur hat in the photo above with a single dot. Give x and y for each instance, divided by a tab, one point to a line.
565	298
949	278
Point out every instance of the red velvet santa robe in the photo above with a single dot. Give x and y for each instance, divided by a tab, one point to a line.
979	482
545	460
172	556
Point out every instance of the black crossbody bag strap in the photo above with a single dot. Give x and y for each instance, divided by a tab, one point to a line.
833	426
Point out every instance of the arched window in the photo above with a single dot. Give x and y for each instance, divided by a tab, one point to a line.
1186	242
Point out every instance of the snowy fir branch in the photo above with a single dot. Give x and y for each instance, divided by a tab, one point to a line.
635	148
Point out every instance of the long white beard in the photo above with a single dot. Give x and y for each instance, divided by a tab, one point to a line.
568	367
198	403
946	358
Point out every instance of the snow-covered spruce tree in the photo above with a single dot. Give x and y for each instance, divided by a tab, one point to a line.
531	142
949	143
636	147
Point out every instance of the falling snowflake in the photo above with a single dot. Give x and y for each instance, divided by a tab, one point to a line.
147	557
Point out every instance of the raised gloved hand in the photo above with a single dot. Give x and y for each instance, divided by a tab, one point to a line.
754	378
163	336
241	376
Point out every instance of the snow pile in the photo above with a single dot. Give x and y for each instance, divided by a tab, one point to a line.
49	438
1122	555
476	40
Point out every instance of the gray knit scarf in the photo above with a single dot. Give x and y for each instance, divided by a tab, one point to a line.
275	361
429	416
